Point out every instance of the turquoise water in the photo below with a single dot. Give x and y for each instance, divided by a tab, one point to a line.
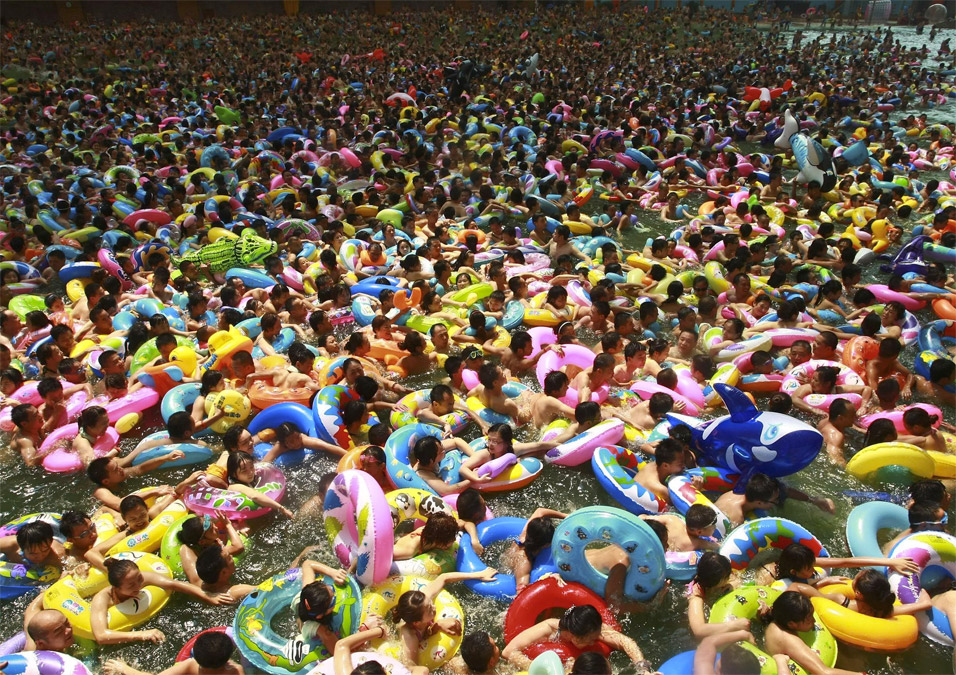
661	633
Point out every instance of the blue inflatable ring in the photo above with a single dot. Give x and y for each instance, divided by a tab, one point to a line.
251	278
296	414
281	345
504	586
179	398
17	579
273	654
397	449
866	520
194	453
681	664
645	573
615	468
375	286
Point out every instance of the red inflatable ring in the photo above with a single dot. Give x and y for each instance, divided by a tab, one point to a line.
187	651
542	600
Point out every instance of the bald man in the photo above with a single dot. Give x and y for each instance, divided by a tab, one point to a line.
46	629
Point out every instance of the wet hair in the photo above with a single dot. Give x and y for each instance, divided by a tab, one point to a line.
589	411
879	431
477	651
940	369
425	450
19	414
439	532
712	569
790	607
591	663
923	512
410	607
315	600
780	403
735	659
888	389
554	381
471	506
838	408
874	588
36	533
581	620
212	650
828	375
210	379
668	451
538	536
117	569
191	531
890	348
660	404
179	423
371	667
700	516
918	417
209	563
793	559
96	471
760	488
71	520
235	462
131	502
439	392
925	490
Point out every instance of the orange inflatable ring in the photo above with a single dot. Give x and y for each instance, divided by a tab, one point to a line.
707	208
858	351
944	308
404	300
478	233
262	395
351	459
386	352
366	259
544	597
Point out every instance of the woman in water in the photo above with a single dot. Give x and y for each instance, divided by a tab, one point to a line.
126	582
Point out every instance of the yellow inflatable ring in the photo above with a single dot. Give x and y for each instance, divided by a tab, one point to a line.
872	634
70	596
875	457
436	650
236	406
75	288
